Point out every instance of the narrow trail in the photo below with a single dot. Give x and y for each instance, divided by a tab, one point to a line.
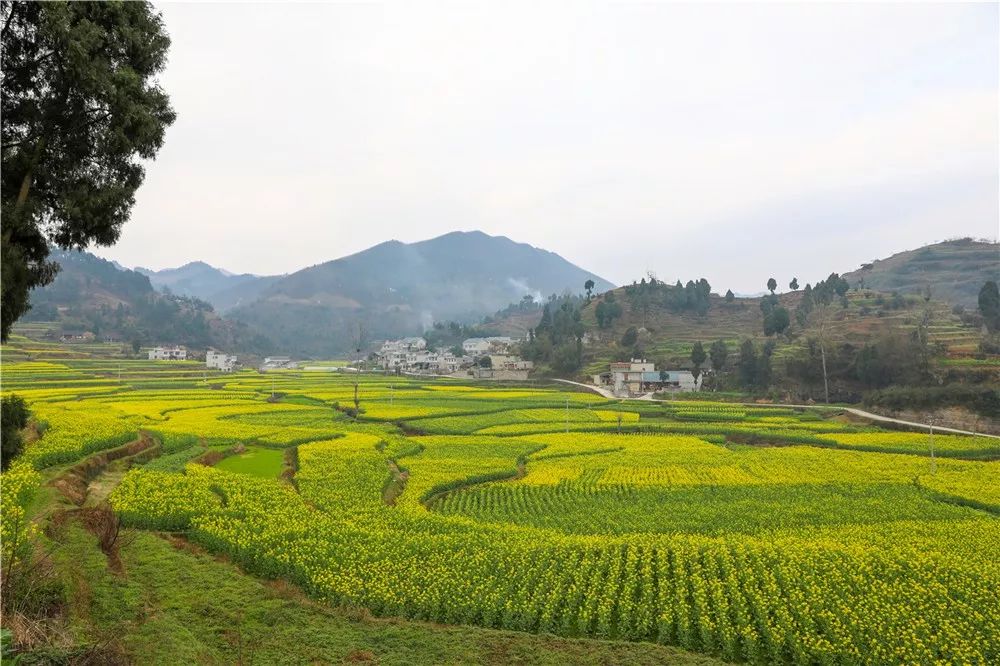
852	410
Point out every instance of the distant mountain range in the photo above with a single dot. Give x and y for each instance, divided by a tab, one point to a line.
392	289
224	290
112	302
395	289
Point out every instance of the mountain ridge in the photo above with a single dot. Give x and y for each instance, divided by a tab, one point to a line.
396	288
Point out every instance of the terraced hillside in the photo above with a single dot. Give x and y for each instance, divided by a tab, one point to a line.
953	270
667	336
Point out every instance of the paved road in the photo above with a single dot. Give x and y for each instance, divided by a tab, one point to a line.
886	419
857	412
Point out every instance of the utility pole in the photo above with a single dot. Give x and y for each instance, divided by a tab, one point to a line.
392	393
933	461
567	414
272	387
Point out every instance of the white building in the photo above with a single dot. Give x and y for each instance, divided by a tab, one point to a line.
278	363
639	376
220	361
497	344
509	362
476	346
168	354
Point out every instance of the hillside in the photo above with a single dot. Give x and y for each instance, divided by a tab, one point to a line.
954	270
90	294
395	289
224	290
666	337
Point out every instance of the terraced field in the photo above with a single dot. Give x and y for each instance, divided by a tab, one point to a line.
767	535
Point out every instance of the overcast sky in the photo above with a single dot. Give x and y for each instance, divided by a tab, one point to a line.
731	142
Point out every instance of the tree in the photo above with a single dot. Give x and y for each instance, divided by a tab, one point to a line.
13	418
136	345
631	337
698	357
794	284
718	353
989	305
589	287
776	321
772	284
748	364
730	296
81	112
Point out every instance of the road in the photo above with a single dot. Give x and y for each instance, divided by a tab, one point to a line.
857	412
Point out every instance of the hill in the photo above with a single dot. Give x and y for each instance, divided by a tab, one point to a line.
395	289
954	270
224	290
946	346
90	294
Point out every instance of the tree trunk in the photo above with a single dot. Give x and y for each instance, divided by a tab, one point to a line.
826	385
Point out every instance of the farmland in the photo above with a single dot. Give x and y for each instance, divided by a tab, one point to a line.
743	533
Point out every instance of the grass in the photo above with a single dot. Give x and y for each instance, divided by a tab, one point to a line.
175	604
256	461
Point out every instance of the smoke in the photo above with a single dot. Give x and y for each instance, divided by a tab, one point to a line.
426	320
522	288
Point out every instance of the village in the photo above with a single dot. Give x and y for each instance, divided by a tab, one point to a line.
489	358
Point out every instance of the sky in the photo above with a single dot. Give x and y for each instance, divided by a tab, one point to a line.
732	142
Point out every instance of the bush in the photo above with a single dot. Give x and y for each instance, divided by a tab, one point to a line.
984	401
13	419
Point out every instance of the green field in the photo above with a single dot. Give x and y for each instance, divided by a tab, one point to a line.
255	461
742	533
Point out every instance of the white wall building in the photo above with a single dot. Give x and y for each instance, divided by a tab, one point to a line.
220	361
639	376
168	354
277	363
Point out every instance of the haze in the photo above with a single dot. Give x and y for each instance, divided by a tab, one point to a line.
730	142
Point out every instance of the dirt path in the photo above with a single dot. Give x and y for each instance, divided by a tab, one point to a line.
99	488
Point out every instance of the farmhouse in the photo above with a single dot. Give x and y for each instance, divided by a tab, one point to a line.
168	354
497	344
86	336
640	376
509	362
220	361
278	363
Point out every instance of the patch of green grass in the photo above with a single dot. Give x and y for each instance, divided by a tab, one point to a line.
255	461
177	605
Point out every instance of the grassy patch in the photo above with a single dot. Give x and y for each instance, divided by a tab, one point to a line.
255	461
176	604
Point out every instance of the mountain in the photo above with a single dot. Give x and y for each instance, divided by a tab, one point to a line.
92	294
954	270
395	289
219	287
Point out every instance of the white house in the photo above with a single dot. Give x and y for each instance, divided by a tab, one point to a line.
639	376
220	361
508	362
278	362
476	346
168	354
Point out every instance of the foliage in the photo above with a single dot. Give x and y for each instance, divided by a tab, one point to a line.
718	353
14	419
989	305
982	400
698	357
557	340
607	310
81	112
